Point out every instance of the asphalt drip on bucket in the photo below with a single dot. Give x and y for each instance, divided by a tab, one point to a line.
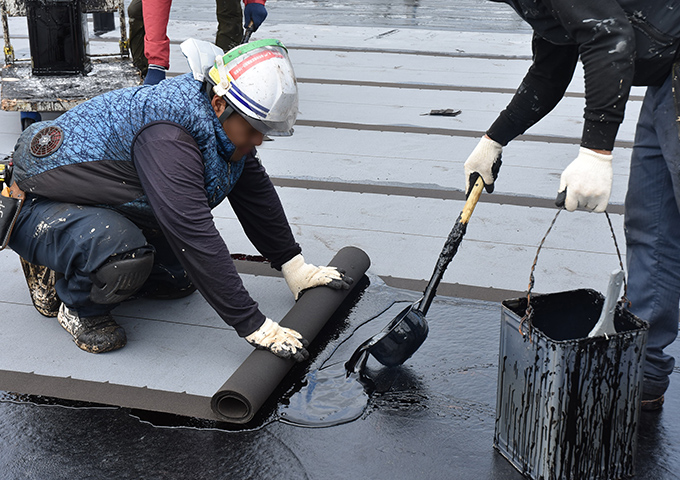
567	403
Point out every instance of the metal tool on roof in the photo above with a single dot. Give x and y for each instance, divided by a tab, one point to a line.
446	112
407	331
605	325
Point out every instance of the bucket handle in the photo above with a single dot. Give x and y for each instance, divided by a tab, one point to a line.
530	310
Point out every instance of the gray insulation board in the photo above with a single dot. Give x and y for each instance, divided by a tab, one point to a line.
178	354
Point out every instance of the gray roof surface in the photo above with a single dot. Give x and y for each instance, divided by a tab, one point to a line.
395	194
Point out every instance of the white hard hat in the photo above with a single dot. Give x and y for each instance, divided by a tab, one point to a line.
257	80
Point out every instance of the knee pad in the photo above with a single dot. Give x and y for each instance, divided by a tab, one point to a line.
121	276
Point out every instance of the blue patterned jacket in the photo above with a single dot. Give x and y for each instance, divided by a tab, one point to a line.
85	155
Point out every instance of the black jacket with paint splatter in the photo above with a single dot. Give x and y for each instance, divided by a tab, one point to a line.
620	43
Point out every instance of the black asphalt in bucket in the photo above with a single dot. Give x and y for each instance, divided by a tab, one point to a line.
568	405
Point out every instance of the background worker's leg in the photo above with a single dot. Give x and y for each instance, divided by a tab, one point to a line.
28	119
230	24
137	33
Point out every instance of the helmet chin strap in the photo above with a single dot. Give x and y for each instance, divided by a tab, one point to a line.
227	111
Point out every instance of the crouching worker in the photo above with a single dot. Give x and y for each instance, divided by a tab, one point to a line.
119	192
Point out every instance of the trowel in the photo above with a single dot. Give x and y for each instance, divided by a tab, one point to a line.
407	331
605	325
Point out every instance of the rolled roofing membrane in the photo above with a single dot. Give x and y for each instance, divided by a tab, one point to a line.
242	395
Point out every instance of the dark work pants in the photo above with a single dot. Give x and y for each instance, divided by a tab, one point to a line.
76	240
652	222
229	24
137	33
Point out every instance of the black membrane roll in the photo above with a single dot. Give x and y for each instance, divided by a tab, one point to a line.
242	395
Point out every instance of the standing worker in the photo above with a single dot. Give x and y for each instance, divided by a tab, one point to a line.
119	192
620	43
149	42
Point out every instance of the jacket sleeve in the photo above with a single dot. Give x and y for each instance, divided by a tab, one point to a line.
540	91
156	42
606	41
259	210
170	168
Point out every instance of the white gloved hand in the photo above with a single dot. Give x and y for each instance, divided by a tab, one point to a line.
587	181
282	342
301	276
485	159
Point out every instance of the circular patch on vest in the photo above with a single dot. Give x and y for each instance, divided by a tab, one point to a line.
46	141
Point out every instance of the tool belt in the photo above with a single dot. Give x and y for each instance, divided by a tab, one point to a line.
11	200
676	93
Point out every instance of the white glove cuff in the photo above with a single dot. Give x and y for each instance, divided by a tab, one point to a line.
261	333
489	147
292	265
587	181
482	160
605	159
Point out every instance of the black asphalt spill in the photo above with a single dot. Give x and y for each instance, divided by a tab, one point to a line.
433	417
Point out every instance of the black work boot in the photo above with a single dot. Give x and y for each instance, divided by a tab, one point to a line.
41	281
96	334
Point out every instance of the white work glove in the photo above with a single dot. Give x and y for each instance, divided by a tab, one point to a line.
282	342
586	182
301	276
485	159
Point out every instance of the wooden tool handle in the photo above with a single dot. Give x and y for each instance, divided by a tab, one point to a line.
472	199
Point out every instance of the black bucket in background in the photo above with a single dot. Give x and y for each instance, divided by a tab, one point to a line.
58	37
103	22
568	405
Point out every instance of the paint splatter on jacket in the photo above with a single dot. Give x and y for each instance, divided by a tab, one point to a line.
94	156
621	43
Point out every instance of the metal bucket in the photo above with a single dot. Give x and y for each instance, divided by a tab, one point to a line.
568	405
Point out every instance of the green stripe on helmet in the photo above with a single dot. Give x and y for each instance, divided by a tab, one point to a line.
245	48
